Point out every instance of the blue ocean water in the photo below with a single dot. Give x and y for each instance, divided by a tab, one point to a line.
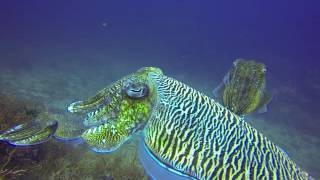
90	44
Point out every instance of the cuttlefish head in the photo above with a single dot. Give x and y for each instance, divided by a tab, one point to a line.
119	110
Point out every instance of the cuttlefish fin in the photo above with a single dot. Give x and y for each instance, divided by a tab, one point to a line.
155	168
265	100
31	133
218	91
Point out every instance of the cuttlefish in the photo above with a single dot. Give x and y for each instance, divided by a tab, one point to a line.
243	89
184	131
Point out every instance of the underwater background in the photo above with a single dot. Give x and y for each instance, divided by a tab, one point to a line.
55	52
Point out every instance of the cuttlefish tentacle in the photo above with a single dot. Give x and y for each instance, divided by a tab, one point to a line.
129	106
101	99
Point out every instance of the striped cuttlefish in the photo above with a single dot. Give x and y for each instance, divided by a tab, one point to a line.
185	133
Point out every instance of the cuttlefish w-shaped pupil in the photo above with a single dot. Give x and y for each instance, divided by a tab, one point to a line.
136	90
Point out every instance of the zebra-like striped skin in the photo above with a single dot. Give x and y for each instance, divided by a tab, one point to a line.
197	136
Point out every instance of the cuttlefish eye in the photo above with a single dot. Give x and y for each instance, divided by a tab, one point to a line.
136	90
264	70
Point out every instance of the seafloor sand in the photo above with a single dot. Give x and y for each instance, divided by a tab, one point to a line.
24	93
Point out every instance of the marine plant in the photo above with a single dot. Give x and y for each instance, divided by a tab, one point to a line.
6	172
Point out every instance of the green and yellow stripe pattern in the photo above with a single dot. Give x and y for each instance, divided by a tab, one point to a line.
198	137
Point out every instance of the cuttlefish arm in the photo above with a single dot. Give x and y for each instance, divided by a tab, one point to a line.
30	133
85	106
184	131
118	111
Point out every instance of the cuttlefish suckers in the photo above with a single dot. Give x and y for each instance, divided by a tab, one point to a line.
183	130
